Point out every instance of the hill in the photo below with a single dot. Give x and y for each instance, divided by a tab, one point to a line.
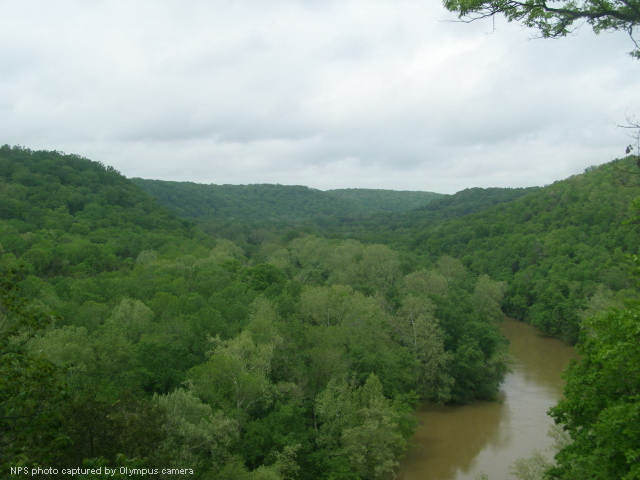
373	201
563	249
130	338
269	205
64	215
399	229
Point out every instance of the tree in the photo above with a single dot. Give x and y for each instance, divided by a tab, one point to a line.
361	426
194	434
601	405
451	268
327	305
236	375
32	389
487	297
556	18
130	319
418	329
424	283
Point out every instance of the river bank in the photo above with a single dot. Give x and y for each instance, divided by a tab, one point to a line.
461	442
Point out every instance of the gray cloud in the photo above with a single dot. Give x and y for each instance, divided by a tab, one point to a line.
326	94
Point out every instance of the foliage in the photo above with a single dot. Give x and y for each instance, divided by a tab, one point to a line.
560	249
130	337
601	405
32	389
240	211
556	18
361	427
372	201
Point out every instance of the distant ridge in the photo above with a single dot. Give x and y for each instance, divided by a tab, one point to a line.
380	200
562	248
260	203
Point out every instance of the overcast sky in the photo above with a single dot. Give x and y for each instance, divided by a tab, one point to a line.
375	94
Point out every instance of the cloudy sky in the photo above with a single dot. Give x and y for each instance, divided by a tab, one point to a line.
329	94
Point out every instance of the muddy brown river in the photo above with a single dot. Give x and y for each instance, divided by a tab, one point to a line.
460	443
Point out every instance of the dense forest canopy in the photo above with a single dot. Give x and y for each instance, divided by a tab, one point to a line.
562	249
158	344
269	332
131	337
601	409
237	211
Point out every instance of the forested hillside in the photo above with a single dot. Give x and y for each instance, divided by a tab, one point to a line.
129	337
373	201
221	207
400	228
563	250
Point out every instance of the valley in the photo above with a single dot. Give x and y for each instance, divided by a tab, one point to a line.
151	323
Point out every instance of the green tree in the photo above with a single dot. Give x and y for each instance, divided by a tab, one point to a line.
418	329
32	389
328	305
557	18
487	297
194	434
451	268
359	425
601	405
375	442
424	282
236	375
130	318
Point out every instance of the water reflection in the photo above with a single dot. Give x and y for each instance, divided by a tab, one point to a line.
459	443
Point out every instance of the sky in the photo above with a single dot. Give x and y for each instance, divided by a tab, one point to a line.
329	94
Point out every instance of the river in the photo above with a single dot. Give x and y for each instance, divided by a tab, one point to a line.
460	443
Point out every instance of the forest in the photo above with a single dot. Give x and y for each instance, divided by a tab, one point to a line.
280	333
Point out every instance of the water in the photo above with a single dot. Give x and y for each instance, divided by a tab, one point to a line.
460	443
